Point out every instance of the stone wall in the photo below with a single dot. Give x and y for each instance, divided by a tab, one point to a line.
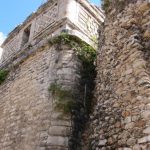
46	65
121	116
28	119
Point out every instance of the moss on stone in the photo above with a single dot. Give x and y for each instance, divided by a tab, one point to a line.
64	98
3	75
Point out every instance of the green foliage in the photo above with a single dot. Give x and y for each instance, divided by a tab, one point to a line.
3	75
87	55
106	4
95	39
63	39
83	50
64	98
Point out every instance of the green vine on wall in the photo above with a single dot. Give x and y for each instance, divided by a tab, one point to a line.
64	98
79	105
87	55
3	75
83	50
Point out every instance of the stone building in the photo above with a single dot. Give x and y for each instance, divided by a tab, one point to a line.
47	76
28	118
80	19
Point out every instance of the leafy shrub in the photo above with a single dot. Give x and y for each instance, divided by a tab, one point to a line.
84	51
64	98
87	55
3	75
106	4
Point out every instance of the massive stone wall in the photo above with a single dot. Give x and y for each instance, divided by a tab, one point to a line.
44	81
28	119
121	117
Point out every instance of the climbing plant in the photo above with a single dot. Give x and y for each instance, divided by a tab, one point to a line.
87	55
84	51
64	100
78	105
3	75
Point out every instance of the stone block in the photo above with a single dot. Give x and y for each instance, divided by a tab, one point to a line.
147	130
142	140
102	142
146	114
136	147
131	141
59	131
57	141
126	148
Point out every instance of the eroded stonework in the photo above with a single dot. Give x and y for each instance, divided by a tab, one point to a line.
121	117
29	119
50	20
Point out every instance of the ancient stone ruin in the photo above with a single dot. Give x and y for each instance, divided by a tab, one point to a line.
71	81
41	56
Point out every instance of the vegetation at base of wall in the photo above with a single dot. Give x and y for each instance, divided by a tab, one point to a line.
3	75
64	98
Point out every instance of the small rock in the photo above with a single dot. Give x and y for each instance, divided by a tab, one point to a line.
102	142
147	34
142	140
147	130
136	147
126	148
131	141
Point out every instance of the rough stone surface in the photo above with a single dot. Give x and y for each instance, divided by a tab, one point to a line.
28	119
121	114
